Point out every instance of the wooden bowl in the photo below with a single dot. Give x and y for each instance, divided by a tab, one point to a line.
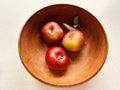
84	64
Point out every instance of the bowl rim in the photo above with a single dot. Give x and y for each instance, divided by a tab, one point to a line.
66	85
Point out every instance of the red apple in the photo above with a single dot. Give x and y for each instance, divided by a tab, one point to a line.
52	33
56	58
73	40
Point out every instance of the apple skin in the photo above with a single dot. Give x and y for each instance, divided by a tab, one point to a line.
52	33
56	58
73	40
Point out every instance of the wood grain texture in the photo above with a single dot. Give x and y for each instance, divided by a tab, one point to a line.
83	64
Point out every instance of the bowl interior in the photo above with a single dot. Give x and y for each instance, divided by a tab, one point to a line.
84	64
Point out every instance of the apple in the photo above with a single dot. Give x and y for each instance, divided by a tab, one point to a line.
73	39
56	58
52	33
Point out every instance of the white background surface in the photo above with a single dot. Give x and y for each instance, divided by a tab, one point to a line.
13	15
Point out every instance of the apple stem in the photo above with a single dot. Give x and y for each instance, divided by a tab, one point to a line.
68	26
